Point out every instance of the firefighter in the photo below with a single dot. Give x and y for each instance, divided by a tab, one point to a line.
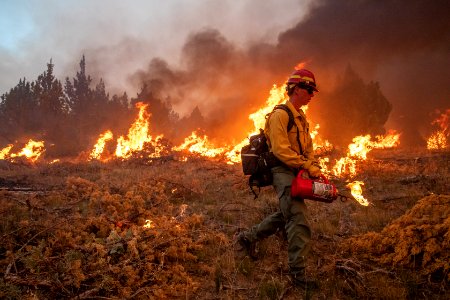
294	150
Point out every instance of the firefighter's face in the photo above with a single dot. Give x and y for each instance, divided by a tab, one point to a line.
304	95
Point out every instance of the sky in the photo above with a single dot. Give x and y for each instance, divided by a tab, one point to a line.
33	32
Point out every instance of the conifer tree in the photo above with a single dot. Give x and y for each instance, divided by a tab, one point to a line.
79	92
353	108
18	109
49	93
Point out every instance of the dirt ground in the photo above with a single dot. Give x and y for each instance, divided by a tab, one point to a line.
165	229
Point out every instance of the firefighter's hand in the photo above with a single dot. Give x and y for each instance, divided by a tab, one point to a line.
314	171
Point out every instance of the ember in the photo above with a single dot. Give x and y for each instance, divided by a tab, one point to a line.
148	224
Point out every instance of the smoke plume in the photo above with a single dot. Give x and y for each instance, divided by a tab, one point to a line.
400	48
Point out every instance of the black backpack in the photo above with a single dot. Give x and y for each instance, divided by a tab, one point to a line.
256	158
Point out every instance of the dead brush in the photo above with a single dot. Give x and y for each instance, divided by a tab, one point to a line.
355	276
77	231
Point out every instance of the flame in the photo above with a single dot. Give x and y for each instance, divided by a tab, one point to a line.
233	155
439	139
32	150
277	96
137	134
300	65
137	137
5	151
356	191
199	145
344	165
148	224
100	145
357	151
319	144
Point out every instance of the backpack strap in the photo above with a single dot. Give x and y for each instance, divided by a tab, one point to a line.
289	112
251	183
290	123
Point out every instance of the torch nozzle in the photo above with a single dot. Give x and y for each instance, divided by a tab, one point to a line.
343	197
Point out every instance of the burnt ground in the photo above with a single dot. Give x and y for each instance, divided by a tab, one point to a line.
75	230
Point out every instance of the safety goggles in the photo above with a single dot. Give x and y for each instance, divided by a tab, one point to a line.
309	89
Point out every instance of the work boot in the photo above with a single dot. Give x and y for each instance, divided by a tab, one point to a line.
247	245
300	280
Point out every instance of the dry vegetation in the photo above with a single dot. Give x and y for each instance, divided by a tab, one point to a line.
72	230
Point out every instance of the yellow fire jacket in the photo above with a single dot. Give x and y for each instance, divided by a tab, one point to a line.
284	144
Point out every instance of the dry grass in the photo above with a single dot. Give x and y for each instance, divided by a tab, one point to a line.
76	230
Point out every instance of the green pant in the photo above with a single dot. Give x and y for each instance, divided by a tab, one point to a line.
291	217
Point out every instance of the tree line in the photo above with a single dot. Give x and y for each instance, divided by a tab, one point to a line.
70	115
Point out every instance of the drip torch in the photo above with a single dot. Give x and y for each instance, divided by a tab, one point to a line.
315	189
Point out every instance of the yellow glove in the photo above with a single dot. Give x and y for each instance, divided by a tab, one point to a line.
314	171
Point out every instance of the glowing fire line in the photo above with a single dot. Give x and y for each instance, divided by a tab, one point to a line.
136	139
100	145
32	151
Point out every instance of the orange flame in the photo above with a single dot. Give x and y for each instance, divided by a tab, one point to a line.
100	145
137	137
357	151
32	151
439	139
199	145
300	65
277	96
137	134
356	191
360	147
148	224
5	151
319	144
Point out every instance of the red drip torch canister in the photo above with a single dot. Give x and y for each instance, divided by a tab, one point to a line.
313	189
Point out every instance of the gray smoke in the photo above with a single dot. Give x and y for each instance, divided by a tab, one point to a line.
402	46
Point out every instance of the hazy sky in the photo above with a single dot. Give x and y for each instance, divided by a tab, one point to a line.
119	37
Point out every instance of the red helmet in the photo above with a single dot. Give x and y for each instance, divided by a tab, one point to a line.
304	77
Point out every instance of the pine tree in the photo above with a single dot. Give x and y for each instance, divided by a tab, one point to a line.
49	92
18	111
353	108
82	114
79	92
